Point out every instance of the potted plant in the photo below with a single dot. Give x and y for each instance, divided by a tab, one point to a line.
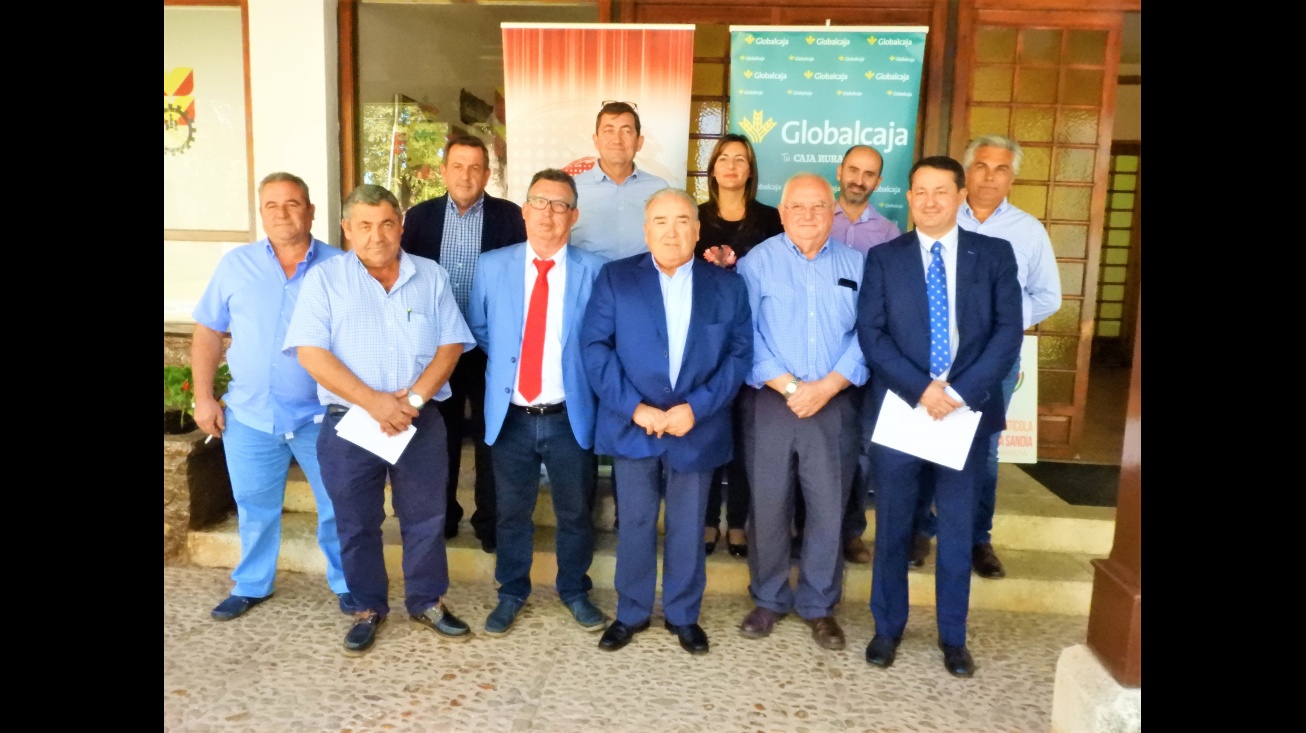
196	486
179	397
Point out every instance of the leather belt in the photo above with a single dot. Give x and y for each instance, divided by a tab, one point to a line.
542	409
336	410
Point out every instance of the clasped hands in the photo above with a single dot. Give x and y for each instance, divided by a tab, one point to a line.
721	254
675	421
936	401
392	411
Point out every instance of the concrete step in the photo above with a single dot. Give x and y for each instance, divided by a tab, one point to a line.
1028	516
1037	581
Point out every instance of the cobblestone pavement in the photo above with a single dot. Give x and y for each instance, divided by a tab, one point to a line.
282	667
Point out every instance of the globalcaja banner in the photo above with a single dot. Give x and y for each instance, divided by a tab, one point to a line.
804	95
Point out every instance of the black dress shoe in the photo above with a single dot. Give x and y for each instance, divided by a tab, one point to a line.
234	605
920	549
363	632
692	637
882	650
489	544
957	660
710	547
618	635
986	562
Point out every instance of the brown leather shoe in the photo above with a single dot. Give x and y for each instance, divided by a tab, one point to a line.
826	632
856	551
920	549
986	563
759	623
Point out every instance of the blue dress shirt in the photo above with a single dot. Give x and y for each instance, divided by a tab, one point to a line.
250	297
387	339
461	247
678	301
611	222
804	319
1036	264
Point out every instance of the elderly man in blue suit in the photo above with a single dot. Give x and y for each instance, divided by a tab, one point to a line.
666	345
526	304
939	321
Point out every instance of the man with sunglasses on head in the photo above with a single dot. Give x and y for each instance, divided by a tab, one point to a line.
525	310
454	229
612	193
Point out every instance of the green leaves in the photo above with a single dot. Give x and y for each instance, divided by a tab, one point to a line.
179	388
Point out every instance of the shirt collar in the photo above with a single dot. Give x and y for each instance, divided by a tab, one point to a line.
600	175
559	256
475	208
867	214
824	246
965	209
948	240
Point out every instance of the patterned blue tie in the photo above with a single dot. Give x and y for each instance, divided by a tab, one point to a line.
936	286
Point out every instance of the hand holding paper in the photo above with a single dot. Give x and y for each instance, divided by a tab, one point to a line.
914	431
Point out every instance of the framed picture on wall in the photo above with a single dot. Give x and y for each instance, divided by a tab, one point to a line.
206	186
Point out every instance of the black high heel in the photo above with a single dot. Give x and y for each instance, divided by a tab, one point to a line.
711	546
740	550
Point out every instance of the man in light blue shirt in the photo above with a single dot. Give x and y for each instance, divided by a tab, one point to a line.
272	412
380	331
992	163
802	288
613	192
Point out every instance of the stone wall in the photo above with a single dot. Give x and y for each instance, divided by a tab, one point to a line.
196	490
176	344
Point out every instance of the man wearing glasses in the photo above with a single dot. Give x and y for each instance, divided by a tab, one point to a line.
802	287
454	229
612	193
525	310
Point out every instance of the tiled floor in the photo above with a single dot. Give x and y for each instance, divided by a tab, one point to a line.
281	667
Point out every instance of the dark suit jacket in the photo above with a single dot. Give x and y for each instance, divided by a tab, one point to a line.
625	348
893	323
501	225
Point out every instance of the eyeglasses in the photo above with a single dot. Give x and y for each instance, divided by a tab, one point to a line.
606	102
539	203
817	209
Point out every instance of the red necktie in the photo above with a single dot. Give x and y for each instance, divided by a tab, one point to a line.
532	343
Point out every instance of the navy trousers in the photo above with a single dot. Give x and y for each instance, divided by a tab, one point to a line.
355	480
641	483
897	477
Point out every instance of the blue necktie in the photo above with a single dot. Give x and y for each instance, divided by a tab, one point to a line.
936	286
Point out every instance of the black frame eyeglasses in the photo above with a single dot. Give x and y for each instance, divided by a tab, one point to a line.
539	203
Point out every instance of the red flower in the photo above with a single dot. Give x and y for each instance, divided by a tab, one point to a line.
185	385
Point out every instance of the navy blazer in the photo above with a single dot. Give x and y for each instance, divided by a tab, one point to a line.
501	225
893	323
625	348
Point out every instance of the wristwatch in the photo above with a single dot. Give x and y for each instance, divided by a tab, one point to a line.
415	399
791	388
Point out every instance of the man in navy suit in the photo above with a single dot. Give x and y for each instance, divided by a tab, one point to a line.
666	344
526	305
939	321
454	229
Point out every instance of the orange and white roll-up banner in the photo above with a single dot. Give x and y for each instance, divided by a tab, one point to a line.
558	75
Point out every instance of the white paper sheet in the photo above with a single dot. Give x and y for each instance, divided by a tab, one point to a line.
913	431
359	428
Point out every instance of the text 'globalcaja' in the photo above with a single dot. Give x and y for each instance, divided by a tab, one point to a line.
884	139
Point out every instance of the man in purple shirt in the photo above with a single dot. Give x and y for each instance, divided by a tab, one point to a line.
272	411
857	223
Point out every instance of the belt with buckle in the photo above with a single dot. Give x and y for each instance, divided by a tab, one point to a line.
336	410
542	409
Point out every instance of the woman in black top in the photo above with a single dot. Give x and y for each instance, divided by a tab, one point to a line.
731	223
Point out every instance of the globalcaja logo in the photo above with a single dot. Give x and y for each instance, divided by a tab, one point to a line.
773	75
874	41
751	39
755	128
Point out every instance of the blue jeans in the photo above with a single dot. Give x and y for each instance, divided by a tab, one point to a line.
258	463
524	442
986	488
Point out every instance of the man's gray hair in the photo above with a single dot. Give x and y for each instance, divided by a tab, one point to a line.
678	193
784	192
369	195
994	141
284	177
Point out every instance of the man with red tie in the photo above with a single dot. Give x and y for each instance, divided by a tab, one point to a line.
525	310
